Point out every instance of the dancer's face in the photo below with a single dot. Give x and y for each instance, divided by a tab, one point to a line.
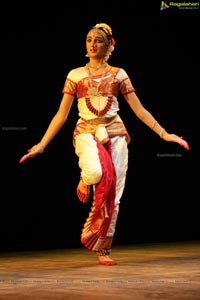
96	44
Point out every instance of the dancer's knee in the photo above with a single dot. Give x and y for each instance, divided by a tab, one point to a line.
92	176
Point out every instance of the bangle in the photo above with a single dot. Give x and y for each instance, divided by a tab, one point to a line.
154	125
41	147
161	132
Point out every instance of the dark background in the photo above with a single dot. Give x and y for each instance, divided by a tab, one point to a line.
160	52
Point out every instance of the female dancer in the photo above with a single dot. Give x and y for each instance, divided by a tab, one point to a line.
100	137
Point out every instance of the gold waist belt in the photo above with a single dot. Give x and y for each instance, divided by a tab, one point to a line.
97	121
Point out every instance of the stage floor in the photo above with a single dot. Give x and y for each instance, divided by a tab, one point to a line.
144	272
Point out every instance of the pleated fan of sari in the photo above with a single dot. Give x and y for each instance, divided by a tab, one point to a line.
96	226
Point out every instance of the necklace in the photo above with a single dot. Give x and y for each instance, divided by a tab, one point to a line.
94	90
94	93
96	68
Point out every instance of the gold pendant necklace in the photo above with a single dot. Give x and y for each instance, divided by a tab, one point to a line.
94	90
96	68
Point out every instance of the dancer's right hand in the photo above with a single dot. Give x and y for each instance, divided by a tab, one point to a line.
36	149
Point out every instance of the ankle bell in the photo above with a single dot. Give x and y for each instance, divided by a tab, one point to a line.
104	252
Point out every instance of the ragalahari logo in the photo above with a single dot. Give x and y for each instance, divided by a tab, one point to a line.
164	5
179	5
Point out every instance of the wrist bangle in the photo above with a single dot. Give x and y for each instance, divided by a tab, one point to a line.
154	125
161	133
41	146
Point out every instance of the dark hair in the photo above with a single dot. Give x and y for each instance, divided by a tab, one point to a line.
107	33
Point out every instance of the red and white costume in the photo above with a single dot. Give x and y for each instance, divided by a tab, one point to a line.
100	140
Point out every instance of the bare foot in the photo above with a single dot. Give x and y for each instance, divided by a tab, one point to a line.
106	260
83	191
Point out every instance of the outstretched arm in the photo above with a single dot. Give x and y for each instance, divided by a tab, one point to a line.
55	125
146	117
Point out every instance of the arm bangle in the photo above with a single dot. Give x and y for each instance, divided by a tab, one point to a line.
154	125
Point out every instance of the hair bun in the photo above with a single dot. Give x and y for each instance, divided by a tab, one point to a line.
105	26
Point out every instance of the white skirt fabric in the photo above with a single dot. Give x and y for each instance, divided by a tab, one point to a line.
89	163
